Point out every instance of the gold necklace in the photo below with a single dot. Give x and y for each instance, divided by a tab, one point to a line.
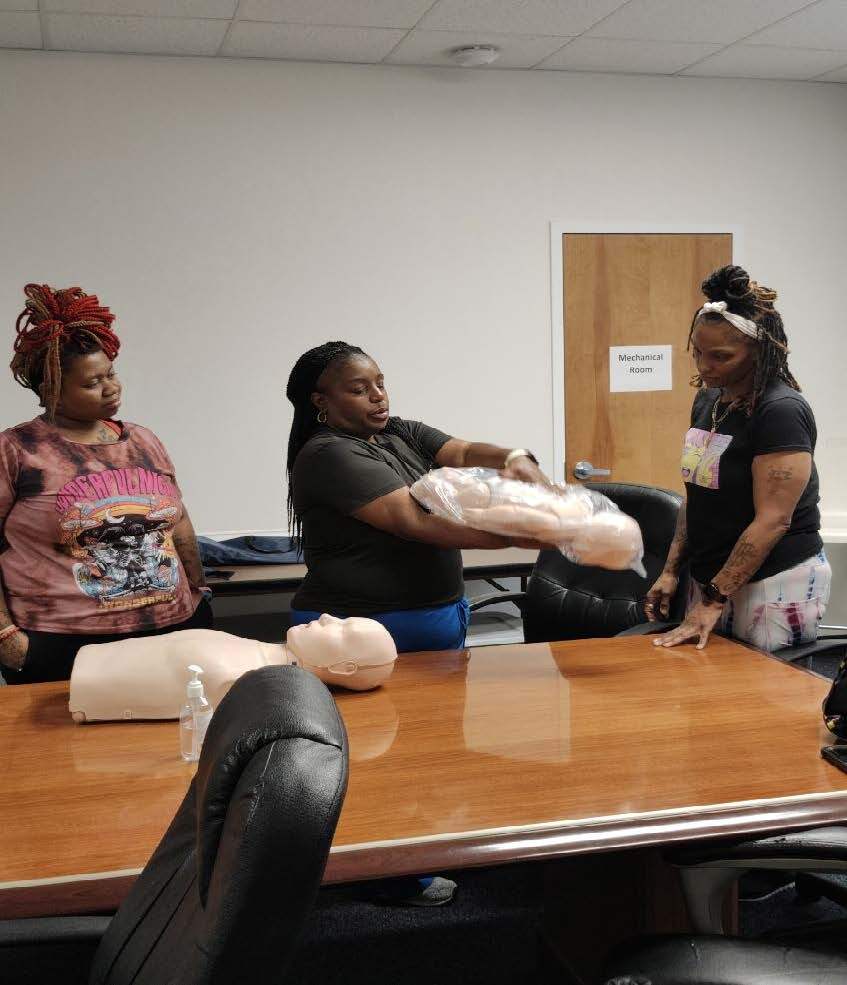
717	420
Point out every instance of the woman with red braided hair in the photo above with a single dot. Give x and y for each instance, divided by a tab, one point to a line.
96	543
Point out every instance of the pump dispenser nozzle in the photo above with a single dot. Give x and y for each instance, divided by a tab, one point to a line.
195	685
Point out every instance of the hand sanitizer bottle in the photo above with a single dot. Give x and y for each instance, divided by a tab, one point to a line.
194	717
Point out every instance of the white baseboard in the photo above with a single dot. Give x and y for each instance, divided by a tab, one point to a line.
834	528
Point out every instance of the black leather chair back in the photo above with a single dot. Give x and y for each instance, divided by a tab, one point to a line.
565	601
225	895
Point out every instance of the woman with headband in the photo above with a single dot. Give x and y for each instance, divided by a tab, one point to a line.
750	526
96	543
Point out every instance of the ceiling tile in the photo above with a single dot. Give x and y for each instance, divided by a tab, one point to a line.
301	42
839	75
746	61
823	25
18	4
433	48
347	13
527	17
19	29
608	55
145	8
136	35
709	21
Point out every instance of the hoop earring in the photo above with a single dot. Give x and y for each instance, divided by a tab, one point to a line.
321	417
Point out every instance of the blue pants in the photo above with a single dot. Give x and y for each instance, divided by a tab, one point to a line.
440	628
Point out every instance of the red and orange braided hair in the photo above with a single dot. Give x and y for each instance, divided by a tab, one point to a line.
53	327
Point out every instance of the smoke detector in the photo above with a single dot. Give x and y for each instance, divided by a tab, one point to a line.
474	55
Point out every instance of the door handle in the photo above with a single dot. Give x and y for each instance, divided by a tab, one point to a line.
585	470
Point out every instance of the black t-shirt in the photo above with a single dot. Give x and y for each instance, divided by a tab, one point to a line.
718	474
355	569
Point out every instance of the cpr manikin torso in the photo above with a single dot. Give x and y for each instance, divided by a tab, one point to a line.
146	677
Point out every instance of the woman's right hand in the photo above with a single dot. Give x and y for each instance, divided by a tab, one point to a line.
13	650
657	602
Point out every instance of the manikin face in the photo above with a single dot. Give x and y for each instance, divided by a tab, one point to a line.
341	647
353	395
723	356
90	389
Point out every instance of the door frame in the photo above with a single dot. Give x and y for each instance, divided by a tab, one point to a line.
557	311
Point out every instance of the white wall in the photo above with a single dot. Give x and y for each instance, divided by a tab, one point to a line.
234	213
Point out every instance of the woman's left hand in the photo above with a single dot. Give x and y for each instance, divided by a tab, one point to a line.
525	470
699	621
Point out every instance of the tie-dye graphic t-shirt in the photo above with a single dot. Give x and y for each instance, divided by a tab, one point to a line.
718	472
87	541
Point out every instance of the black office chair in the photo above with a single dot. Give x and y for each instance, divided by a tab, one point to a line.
711	959
566	601
690	960
226	893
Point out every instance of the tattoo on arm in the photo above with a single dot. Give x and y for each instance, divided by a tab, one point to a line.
746	558
741	554
679	545
779	475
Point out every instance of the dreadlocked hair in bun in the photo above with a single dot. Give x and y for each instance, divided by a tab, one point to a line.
754	301
54	328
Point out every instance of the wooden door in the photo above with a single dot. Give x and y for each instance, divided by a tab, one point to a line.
627	289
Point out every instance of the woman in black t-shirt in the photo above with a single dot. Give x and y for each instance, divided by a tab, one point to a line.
750	527
369	548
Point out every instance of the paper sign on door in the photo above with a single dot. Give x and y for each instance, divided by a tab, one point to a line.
640	367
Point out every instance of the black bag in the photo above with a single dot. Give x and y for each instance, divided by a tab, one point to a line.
835	703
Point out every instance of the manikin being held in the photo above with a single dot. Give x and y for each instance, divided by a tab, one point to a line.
586	526
145	677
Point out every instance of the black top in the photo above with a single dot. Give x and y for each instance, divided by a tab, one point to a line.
355	569
718	474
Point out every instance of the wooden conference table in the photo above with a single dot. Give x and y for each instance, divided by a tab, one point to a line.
464	758
255	579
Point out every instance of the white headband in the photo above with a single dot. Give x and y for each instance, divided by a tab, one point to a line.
742	324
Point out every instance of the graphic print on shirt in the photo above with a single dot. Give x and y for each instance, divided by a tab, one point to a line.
118	526
701	457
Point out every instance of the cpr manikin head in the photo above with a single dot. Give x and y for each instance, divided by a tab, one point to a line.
355	653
